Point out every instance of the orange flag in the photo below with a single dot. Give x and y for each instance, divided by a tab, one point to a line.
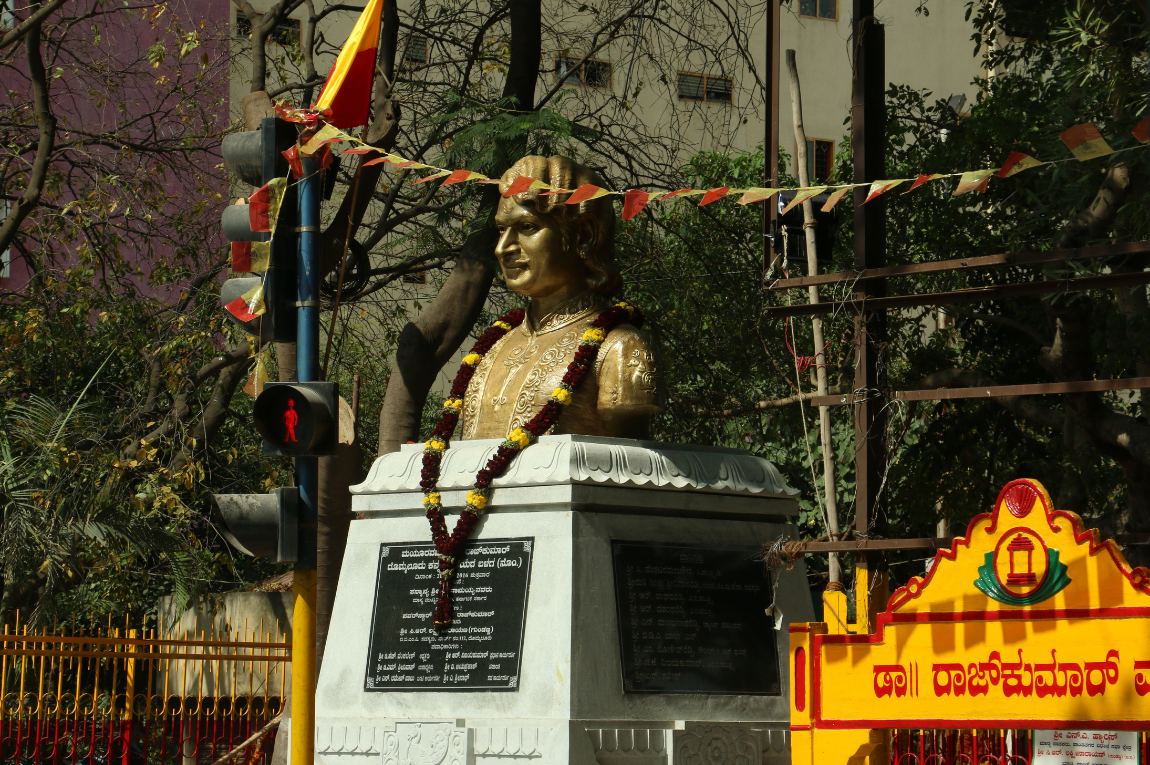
714	194
633	203
881	187
585	192
1141	131
835	198
974	180
1085	142
1016	163
347	93
923	179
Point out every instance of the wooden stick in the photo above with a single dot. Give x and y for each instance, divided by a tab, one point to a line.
275	723
829	485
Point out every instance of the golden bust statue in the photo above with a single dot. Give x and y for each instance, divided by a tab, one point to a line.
562	258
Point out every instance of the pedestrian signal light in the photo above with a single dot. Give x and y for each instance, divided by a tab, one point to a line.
298	419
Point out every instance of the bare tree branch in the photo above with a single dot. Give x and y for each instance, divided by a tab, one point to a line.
46	122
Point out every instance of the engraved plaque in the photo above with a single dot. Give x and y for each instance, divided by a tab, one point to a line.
481	650
692	619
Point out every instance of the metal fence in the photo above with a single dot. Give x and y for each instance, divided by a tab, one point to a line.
973	747
119	696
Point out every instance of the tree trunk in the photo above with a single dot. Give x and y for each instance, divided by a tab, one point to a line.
427	342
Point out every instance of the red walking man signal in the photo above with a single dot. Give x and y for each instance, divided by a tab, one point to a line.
291	419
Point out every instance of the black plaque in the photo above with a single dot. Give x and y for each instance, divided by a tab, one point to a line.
692	619
481	650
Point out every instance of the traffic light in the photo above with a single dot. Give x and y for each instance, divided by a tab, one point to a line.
298	419
256	157
796	241
262	525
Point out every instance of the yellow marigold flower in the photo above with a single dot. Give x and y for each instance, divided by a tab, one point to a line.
476	500
453	403
520	438
431	499
594	335
435	445
561	395
472	359
502	325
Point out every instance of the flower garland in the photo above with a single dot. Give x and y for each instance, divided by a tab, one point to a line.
450	546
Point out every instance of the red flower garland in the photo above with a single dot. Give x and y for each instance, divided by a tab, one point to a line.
450	546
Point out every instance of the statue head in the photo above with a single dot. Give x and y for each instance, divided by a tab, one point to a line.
547	246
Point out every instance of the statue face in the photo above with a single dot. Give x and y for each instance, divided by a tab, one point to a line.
531	252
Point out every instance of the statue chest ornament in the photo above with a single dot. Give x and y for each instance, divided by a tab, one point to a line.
483	359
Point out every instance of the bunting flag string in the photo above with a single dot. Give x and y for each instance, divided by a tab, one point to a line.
1084	141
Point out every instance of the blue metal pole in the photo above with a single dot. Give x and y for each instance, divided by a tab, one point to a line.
306	474
307	344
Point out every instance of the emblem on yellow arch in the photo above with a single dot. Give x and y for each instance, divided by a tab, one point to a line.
1021	570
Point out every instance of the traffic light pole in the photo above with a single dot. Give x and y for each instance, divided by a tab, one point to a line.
307	475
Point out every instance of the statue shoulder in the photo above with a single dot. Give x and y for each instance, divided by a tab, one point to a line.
628	370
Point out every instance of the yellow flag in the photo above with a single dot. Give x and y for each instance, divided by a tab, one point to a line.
1085	142
973	180
835	198
750	196
802	195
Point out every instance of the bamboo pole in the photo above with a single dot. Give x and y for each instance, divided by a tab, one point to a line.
829	488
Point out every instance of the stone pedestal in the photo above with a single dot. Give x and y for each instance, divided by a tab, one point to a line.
573	497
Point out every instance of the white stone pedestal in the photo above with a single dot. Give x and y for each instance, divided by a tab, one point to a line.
573	495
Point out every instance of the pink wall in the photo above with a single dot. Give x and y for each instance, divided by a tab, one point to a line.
105	66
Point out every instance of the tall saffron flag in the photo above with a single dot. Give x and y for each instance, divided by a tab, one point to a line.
347	93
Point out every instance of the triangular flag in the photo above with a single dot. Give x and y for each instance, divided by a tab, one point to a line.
1141	131
248	305
924	179
431	177
1016	163
586	192
294	162
633	203
255	384
878	188
524	183
250	256
347	93
835	198
714	194
261	255
462	176
326	134
361	150
1085	142
750	196
971	180
802	195
677	192
264	205
241	257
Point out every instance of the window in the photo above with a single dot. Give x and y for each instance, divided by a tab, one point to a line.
820	160
288	32
416	53
592	73
819	9
704	87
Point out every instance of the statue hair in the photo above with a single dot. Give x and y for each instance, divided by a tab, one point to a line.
597	215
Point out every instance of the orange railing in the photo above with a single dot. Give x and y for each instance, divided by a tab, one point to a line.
110	695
